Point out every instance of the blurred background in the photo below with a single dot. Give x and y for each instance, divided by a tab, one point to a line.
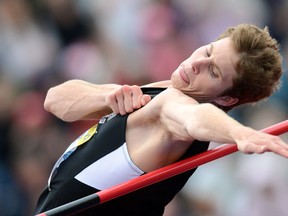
46	42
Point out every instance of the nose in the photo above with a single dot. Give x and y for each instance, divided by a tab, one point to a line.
200	65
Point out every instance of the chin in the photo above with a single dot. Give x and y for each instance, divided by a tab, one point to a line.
176	81
175	84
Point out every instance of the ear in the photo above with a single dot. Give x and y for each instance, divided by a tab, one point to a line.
226	100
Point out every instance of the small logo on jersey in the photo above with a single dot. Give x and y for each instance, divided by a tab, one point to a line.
87	135
106	118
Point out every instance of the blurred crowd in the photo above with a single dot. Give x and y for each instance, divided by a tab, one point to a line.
46	42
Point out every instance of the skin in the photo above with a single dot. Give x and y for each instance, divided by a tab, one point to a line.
207	72
156	135
203	76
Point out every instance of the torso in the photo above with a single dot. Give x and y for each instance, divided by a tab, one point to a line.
148	151
148	136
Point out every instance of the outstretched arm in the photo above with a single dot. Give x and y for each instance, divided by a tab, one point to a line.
78	100
208	123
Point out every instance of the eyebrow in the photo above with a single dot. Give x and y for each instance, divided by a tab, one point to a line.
211	52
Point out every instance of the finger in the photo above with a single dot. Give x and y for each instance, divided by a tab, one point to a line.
259	149
112	103
281	151
128	102
145	99
247	148
136	97
120	101
278	147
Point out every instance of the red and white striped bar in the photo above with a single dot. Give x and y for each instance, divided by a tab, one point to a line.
155	176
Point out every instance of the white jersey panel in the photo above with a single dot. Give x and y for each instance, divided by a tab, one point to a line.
110	170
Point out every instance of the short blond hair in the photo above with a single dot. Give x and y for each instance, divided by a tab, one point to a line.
260	66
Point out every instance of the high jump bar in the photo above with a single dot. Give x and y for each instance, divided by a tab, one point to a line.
155	176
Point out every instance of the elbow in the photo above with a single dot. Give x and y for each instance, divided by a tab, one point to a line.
52	102
48	102
68	116
57	102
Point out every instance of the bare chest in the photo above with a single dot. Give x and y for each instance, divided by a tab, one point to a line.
150	146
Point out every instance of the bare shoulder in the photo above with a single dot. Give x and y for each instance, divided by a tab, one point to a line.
176	96
148	134
149	114
169	97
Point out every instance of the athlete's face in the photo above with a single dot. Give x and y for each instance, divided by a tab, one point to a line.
208	72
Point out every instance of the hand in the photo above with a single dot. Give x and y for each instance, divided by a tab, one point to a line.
252	141
126	99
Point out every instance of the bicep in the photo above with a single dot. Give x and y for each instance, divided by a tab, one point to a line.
176	114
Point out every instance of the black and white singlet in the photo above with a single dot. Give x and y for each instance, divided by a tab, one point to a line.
102	161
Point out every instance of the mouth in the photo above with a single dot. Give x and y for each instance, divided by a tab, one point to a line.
183	74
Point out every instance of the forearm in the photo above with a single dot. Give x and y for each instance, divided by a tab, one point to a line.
76	99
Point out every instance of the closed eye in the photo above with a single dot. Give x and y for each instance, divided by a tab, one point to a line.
212	71
208	53
211	67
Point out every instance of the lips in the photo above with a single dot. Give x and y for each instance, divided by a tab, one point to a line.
183	74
